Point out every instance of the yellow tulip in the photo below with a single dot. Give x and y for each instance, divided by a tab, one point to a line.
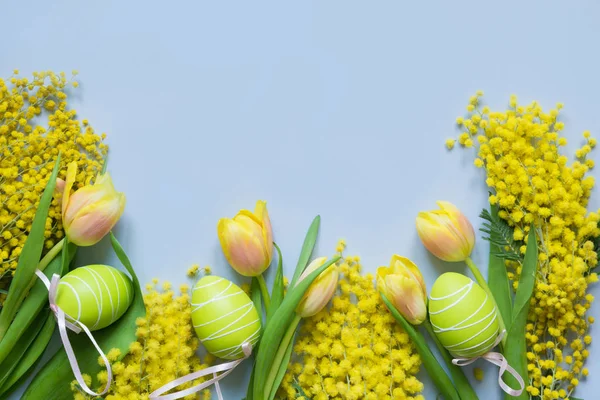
321	291
403	285
446	233
247	240
92	211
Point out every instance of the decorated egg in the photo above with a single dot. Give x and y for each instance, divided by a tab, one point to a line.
224	317
463	316
96	295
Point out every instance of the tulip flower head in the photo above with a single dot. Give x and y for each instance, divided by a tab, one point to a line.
403	285
247	240
446	233
92	211
321	291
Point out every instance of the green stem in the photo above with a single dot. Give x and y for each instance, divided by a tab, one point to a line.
437	374
280	354
463	385
51	254
438	344
264	291
481	280
46	260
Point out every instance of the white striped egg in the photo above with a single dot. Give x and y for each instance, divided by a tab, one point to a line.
463	316
95	295
224	317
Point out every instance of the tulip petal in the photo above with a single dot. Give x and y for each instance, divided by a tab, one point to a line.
243	249
263	215
249	221
447	207
95	220
314	264
441	237
59	189
254	225
104	180
382	272
461	224
407	296
408	267
320	292
83	197
70	179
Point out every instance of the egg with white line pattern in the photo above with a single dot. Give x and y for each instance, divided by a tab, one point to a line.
463	316
95	295
224	317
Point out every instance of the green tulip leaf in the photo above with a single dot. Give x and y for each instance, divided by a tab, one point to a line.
250	386
277	291
463	386
515	350
31	357
19	350
497	275
54	380
29	257
282	369
275	330
307	248
433	367
31	311
256	297
33	304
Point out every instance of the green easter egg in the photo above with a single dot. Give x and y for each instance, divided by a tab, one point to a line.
96	295
224	317
463	316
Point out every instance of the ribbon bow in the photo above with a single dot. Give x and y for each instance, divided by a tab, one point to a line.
499	360
226	368
77	327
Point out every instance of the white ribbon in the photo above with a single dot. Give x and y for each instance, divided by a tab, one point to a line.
499	360
225	368
77	327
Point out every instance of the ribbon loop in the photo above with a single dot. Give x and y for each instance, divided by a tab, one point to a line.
75	326
225	368
499	360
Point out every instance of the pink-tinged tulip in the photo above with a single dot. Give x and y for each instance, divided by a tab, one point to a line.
320	291
92	211
59	188
247	240
403	285
446	233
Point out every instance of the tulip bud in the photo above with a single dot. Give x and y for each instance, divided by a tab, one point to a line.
403	285
59	188
92	211
446	233
320	291
247	240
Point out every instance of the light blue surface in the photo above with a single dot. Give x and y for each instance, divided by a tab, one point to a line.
336	108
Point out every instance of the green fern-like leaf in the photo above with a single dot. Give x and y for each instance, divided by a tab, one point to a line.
299	390
503	237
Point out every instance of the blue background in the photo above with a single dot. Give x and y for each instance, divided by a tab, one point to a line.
338	108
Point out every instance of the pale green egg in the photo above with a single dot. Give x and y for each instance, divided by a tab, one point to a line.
95	295
224	317
463	316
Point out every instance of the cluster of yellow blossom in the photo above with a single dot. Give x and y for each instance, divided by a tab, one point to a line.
195	271
533	183
164	351
35	125
355	349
